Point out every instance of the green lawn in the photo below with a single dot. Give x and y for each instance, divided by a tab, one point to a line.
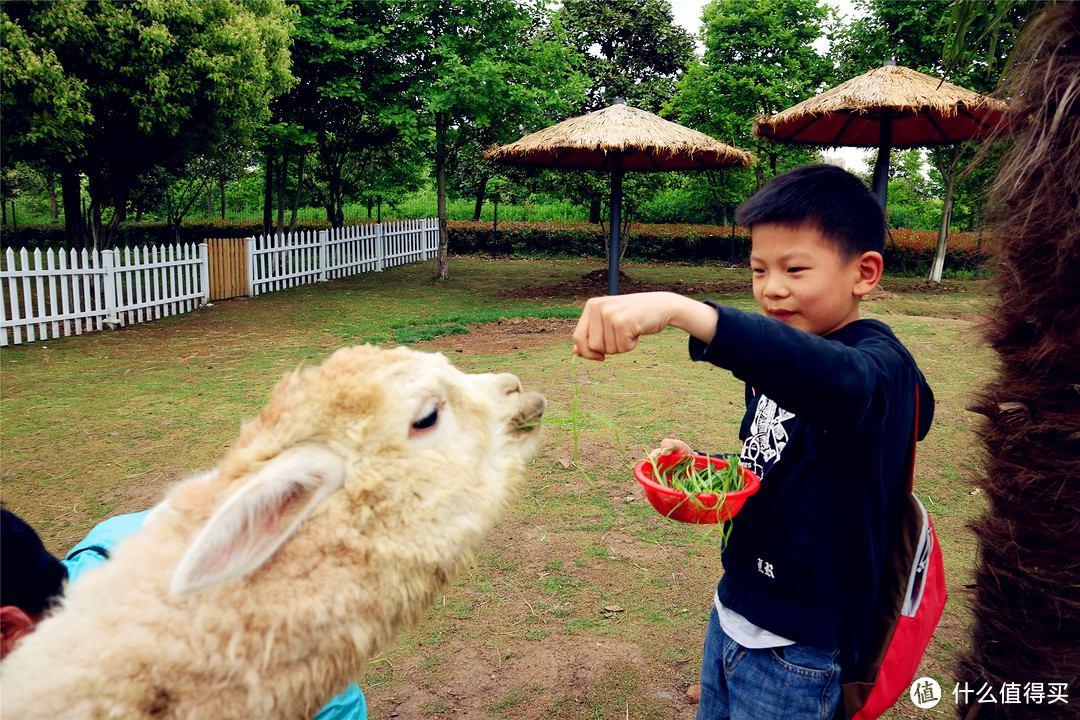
101	424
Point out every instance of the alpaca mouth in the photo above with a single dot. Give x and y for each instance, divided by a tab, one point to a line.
528	416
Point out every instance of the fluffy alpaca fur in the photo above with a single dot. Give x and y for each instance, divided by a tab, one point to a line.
1027	598
261	588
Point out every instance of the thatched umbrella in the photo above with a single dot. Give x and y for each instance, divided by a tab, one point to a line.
619	138
889	107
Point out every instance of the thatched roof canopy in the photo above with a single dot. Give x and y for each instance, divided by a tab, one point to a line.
926	111
647	142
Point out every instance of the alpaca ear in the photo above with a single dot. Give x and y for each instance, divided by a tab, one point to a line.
258	519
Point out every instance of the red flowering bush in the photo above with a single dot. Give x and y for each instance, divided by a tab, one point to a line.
906	251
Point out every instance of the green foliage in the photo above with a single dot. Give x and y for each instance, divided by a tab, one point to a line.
759	59
131	234
119	88
914	34
45	109
578	239
630	49
346	74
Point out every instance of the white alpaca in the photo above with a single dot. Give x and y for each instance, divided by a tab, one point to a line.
260	589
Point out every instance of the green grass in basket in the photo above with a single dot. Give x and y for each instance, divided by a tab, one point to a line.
686	477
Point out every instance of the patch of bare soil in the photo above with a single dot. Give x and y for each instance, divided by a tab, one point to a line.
928	286
523	679
595	283
506	336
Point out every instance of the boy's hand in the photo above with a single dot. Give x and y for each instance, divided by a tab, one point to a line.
672	446
613	324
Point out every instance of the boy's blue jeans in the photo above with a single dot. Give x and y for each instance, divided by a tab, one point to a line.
746	684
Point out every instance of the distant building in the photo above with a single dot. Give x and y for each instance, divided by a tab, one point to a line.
837	161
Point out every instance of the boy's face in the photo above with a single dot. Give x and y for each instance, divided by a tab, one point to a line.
802	279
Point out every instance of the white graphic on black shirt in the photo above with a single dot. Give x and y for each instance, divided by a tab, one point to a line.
769	434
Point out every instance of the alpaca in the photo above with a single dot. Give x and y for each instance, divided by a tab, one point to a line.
261	588
1027	596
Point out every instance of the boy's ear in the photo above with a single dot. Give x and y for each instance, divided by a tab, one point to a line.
15	624
870	264
259	518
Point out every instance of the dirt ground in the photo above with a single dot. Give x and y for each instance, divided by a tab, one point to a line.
561	670
510	335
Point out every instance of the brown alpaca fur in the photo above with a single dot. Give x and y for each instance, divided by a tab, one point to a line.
180	624
1027	597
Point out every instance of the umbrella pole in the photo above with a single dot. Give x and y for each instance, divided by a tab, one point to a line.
615	224
881	167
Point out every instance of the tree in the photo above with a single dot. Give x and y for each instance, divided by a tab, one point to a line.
629	49
329	127
468	65
759	59
111	90
913	34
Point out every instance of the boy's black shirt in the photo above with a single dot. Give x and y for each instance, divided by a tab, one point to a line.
806	550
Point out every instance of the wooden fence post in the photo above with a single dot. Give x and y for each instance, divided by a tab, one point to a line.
380	247
111	320
249	243
324	239
204	272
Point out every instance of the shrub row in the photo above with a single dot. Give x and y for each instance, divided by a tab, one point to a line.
580	239
131	234
906	251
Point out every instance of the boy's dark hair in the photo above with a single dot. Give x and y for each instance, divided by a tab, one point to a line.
829	198
30	578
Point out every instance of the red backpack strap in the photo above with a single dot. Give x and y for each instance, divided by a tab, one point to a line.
914	441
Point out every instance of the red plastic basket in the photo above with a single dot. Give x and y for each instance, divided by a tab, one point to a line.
674	504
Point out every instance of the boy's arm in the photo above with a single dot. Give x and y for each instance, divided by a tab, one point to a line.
611	325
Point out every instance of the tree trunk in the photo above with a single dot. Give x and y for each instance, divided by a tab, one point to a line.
53	210
334	202
296	198
441	122
281	169
268	194
71	189
759	175
938	266
595	209
120	212
481	190
95	223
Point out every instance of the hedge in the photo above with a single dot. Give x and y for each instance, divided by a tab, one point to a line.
130	234
906	251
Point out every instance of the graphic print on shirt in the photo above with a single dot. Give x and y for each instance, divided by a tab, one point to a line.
769	434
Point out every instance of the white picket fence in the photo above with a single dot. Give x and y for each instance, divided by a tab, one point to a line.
46	295
314	256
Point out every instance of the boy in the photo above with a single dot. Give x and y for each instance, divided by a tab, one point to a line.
828	429
31	580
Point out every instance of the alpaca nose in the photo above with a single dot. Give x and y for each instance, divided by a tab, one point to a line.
508	383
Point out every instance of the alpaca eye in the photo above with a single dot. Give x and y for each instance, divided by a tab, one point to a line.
428	420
